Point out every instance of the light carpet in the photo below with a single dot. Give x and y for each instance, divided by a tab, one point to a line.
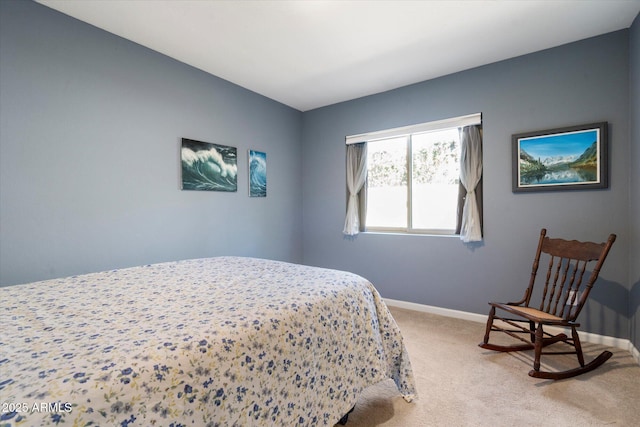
461	384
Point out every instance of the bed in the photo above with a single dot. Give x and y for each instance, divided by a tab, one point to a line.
225	341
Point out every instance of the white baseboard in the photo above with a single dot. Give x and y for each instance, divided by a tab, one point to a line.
437	310
634	352
482	318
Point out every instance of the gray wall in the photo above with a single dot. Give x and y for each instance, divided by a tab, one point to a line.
90	126
634	210
89	155
579	83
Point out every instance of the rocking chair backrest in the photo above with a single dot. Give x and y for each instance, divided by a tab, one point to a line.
568	282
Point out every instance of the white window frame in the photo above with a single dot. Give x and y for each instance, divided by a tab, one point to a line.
406	132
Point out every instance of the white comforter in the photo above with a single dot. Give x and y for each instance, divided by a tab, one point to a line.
223	341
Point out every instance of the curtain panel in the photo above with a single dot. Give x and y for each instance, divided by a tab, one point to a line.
470	217
356	177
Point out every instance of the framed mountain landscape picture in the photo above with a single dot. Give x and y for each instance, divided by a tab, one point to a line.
570	158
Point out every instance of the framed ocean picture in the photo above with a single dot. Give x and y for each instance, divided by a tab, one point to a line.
257	174
208	167
570	158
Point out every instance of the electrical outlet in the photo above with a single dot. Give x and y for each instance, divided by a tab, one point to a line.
575	302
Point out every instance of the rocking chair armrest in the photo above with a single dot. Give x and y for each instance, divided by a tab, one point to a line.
522	302
514	304
517	303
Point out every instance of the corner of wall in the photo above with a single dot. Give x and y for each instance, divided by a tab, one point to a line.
634	186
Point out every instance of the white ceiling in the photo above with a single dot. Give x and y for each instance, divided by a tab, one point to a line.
308	54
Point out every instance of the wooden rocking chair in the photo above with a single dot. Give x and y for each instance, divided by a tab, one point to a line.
565	292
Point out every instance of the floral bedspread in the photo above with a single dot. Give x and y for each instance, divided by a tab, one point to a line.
226	341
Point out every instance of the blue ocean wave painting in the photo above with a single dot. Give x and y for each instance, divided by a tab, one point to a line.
209	167
257	174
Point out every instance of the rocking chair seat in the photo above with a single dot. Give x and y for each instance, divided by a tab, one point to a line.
565	289
532	314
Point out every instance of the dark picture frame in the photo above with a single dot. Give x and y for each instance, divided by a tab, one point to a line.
569	158
208	167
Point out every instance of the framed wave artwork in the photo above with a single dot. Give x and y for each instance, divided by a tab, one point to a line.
208	167
257	174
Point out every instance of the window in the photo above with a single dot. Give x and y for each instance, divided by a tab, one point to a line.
413	181
413	177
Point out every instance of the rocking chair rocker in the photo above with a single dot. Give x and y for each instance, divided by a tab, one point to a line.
565	292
